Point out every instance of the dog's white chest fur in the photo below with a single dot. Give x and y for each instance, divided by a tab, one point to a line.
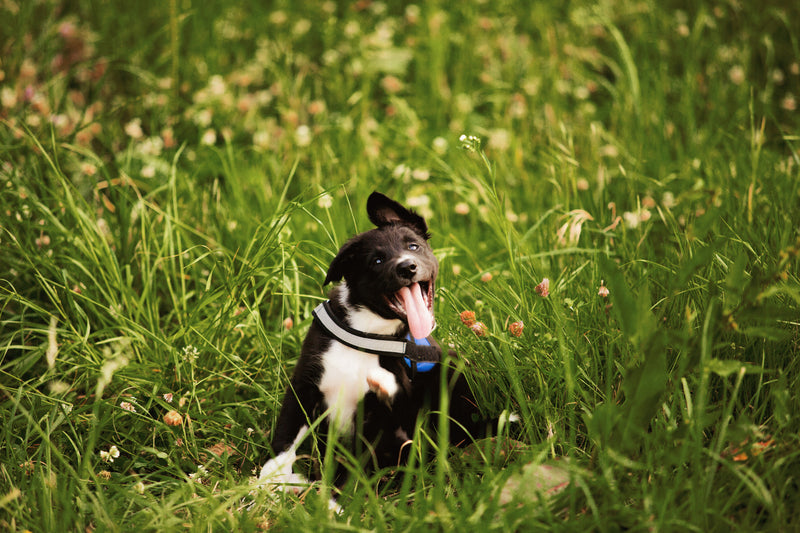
348	374
344	381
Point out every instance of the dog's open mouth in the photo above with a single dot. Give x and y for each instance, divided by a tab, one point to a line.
414	303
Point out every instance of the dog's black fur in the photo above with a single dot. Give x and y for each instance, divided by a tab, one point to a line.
374	266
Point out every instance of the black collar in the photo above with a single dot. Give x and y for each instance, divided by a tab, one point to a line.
420	354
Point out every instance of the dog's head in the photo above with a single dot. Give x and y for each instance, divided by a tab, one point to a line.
391	269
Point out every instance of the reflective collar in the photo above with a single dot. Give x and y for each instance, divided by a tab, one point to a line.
420	355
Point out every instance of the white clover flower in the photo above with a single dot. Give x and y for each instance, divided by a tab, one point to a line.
499	139
631	219
190	353
209	137
199	475
262	139
110	455
134	129
401	171
151	146
148	171
421	174
440	145
462	208
216	85
302	135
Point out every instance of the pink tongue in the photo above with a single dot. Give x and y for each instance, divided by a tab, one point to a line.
420	320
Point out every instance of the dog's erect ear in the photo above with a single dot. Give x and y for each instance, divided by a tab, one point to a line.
341	263
384	211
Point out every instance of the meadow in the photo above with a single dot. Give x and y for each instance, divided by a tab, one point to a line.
613	190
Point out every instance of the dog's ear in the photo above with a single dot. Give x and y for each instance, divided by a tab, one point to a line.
341	263
384	211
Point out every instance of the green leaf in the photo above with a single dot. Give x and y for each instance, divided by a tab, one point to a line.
645	378
728	367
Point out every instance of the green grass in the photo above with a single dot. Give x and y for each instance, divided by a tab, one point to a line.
175	181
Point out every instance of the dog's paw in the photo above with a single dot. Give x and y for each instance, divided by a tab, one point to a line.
383	384
278	473
278	470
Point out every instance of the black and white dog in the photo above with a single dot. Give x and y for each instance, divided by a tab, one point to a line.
368	362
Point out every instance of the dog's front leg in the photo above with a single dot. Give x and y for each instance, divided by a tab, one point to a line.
298	403
383	383
278	470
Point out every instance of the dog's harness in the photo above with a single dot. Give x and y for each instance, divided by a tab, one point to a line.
421	355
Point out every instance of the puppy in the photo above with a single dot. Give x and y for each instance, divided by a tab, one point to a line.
368	362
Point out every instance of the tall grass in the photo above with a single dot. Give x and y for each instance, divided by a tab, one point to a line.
174	184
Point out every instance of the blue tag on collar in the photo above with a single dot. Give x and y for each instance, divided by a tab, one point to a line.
421	366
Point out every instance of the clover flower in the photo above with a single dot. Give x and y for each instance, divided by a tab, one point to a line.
199	475
173	418
543	288
134	128
603	290
209	138
110	455
479	329
190	353
468	317
515	328
439	145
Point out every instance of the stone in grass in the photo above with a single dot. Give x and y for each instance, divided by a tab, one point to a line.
536	483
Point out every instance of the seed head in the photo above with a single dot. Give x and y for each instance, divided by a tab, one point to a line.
173	418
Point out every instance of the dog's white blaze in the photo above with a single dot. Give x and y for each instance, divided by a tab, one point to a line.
405	257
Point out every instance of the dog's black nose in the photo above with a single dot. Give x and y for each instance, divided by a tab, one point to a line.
406	269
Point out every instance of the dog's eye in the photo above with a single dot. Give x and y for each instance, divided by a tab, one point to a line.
377	261
413	247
